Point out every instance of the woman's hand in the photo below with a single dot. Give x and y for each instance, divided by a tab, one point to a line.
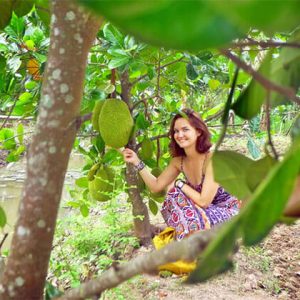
130	156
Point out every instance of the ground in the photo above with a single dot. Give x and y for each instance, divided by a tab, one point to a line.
270	270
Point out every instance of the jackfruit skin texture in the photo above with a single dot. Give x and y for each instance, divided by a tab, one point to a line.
147	149
96	113
99	185
115	123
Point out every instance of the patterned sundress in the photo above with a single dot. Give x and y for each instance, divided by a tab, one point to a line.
186	217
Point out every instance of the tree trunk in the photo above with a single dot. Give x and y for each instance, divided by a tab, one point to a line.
140	213
72	34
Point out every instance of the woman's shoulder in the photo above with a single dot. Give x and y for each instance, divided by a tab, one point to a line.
176	162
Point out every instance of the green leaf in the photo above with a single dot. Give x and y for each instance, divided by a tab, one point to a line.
191	72
214	84
43	11
82	182
213	110
169	23
30	85
3	219
230	171
20	150
295	131
141	122
118	62
285	69
270	198
251	99
84	210
153	206
22	7
113	35
253	149
258	170
14	63
7	139
216	258
194	25
6	12
20	132
255	220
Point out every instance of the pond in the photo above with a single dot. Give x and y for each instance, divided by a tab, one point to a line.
12	179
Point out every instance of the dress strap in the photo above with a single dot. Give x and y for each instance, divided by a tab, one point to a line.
181	164
204	164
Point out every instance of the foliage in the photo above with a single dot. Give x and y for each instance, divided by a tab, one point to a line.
252	223
79	254
175	24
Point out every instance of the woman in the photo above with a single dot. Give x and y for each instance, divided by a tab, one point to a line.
198	202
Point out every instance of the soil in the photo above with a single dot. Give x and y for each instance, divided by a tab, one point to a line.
270	270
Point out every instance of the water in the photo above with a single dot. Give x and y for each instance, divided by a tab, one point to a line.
11	184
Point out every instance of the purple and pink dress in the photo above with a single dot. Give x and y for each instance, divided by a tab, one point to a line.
182	214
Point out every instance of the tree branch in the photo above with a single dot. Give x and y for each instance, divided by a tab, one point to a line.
269	126
187	249
264	44
269	85
161	67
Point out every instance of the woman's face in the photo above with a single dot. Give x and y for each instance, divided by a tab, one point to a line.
185	134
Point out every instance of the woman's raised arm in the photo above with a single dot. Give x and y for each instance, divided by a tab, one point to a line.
155	184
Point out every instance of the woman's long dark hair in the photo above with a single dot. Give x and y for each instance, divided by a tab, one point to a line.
203	143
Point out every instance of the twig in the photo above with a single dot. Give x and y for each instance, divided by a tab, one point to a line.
10	112
161	67
269	126
158	152
3	240
136	104
227	108
267	84
264	44
113	82
187	249
215	116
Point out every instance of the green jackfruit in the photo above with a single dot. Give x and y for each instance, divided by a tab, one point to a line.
100	186
115	123
96	113
147	149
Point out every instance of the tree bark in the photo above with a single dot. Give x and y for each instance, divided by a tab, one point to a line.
140	213
72	34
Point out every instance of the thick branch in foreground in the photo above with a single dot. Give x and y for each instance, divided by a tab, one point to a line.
187	249
72	34
288	92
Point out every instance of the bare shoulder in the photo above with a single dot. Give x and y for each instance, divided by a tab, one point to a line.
176	161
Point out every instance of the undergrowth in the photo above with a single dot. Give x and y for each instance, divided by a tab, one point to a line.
85	247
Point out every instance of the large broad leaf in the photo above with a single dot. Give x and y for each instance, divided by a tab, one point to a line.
217	259
258	170
255	220
22	7
6	12
230	171
177	24
271	196
286	69
250	101
196	24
